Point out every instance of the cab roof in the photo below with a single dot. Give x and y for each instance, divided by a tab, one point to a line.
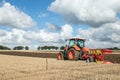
76	39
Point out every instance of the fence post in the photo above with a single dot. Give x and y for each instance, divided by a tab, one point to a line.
46	64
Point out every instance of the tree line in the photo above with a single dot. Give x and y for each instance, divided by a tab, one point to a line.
27	48
15	48
47	48
4	48
41	48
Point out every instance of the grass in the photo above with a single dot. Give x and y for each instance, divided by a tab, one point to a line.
30	68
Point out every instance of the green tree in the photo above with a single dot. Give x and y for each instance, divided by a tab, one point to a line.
38	48
18	48
116	48
26	48
4	48
48	47
62	48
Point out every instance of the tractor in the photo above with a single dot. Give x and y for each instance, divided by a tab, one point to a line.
75	50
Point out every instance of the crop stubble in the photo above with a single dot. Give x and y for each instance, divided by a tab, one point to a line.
32	68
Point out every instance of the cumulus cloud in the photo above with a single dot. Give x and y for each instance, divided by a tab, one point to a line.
66	32
46	36
2	33
11	16
91	12
34	38
14	37
42	36
52	26
107	35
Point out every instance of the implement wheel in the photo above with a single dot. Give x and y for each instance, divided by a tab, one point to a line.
73	54
60	56
89	59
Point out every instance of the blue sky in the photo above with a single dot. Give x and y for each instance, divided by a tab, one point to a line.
37	8
49	22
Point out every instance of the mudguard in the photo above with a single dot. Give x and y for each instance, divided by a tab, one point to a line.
76	47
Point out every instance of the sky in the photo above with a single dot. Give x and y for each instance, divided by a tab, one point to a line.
36	23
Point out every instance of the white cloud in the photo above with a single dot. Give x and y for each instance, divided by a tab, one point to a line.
14	37
2	33
11	16
102	14
66	32
90	12
42	36
33	38
107	35
51	37
52	26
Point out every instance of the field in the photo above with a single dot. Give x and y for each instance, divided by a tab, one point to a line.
49	68
114	57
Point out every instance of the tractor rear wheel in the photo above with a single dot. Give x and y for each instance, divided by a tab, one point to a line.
73	54
60	56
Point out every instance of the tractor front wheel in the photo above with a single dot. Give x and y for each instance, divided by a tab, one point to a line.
73	54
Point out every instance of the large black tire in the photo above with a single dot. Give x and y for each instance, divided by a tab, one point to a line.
60	56
65	54
73	54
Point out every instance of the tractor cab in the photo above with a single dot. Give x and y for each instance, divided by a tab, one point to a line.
76	41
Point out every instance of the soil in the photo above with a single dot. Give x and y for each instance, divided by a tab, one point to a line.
115	58
29	54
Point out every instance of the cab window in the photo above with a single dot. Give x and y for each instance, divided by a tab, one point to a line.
81	43
71	43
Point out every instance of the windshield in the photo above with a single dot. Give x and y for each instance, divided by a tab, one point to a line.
72	42
81	43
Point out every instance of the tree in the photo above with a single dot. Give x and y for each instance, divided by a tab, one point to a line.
116	48
18	48
48	48
26	48
4	48
38	48
62	48
56	48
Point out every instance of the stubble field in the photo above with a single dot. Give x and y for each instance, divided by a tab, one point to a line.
35	68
